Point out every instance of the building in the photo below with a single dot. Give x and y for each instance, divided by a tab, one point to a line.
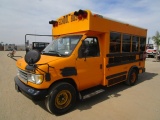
10	47
1	47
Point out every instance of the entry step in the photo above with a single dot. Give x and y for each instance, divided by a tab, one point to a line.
91	92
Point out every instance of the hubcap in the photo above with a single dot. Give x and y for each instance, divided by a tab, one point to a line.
63	99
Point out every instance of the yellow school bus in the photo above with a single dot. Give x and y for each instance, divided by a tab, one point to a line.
88	50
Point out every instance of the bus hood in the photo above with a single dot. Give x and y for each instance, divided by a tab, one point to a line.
47	59
44	59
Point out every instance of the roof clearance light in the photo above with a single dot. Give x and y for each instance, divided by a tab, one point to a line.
80	17
85	15
54	23
81	14
76	13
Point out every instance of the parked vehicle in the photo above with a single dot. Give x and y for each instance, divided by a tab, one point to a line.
150	53
39	46
158	55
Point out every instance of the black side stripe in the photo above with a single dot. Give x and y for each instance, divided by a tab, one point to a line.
123	54
121	63
116	75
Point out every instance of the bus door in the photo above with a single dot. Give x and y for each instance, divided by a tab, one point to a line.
89	63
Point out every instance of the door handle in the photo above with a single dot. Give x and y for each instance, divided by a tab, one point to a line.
100	66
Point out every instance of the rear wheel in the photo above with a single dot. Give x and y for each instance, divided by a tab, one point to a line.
132	77
62	98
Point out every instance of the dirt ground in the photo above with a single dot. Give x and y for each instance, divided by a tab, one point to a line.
120	102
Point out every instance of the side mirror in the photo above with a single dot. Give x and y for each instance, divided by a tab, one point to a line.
85	43
32	57
85	46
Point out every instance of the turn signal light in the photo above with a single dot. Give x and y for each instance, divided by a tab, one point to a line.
54	23
81	14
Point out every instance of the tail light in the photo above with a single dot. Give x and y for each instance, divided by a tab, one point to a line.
81	14
54	23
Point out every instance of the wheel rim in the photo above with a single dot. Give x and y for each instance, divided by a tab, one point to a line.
63	99
133	77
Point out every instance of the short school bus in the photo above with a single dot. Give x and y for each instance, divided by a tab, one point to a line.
88	50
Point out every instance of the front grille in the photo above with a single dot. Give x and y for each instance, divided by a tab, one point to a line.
22	75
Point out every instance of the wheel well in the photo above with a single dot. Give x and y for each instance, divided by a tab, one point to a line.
67	80
136	68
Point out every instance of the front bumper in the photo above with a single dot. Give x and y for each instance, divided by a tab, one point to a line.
142	70
32	93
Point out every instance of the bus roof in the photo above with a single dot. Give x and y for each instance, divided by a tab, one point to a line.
80	21
108	18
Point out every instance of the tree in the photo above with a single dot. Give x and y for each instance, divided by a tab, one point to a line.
156	40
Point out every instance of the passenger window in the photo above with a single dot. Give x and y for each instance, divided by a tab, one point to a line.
142	44
126	43
115	42
89	48
135	44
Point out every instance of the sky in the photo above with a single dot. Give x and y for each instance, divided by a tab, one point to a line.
20	17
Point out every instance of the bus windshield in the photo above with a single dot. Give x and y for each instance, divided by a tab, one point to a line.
62	46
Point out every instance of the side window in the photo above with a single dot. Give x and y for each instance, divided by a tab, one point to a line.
126	43
115	42
142	43
135	44
89	48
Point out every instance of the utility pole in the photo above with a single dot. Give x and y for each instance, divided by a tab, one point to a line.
149	39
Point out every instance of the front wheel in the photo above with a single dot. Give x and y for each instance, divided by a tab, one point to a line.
61	99
132	77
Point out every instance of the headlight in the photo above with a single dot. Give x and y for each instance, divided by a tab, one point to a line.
18	74
37	79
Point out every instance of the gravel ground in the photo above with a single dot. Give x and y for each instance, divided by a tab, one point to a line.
120	102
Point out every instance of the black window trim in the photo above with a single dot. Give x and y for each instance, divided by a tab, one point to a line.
131	35
98	46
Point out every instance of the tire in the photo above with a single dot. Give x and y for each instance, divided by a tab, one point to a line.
61	99
132	77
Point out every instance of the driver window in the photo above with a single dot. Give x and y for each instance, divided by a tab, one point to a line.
89	48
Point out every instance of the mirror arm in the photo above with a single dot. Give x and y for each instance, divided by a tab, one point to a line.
11	55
